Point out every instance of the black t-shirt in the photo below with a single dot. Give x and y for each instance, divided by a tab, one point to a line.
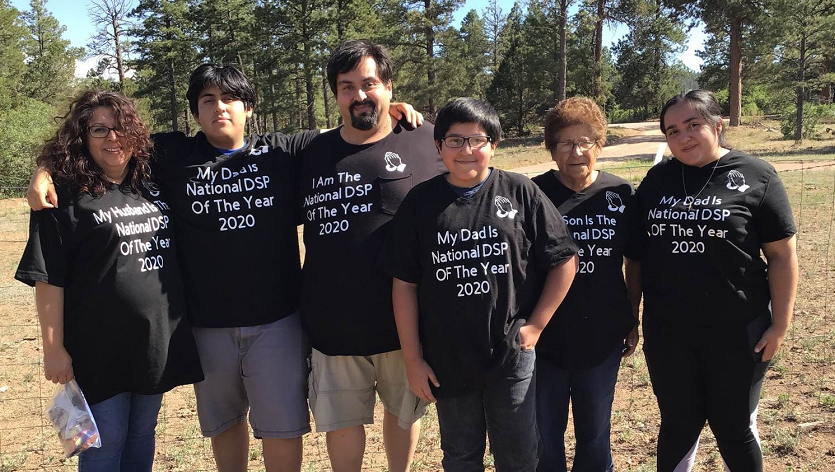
236	225
348	195
125	323
596	315
701	264
479	263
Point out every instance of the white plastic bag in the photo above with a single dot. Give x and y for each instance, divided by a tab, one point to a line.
71	416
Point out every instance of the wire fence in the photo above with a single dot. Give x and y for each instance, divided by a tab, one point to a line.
797	409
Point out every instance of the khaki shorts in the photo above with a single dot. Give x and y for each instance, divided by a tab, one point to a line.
341	390
261	369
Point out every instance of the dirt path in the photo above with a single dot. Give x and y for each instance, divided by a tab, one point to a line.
645	145
641	146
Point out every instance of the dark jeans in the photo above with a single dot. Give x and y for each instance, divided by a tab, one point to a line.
126	423
706	376
591	392
505	410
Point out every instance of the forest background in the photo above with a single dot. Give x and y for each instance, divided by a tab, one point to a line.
774	57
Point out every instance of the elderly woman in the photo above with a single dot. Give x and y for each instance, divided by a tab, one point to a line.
579	353
107	285
714	311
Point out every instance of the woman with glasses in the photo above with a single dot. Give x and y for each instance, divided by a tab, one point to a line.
107	285
579	352
715	312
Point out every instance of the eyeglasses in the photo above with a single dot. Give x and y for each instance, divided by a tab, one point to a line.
475	142
101	131
568	146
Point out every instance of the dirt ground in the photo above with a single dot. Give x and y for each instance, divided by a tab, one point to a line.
797	407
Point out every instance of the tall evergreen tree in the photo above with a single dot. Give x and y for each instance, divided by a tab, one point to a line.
51	65
494	21
13	36
510	91
729	19
806	27
645	58
418	23
165	56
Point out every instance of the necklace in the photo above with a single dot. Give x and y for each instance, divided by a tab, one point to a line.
684	185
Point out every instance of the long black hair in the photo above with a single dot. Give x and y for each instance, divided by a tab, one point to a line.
706	104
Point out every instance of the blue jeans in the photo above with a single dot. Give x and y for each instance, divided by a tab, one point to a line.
591	392
504	410
127	423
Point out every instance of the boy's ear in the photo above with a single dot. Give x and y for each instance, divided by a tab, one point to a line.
438	145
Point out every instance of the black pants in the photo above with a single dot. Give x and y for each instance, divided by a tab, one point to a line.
701	375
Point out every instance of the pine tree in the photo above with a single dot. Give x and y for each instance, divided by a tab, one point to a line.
51	64
165	56
646	58
13	35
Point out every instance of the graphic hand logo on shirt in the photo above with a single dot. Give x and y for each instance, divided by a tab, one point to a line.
736	181
394	162
152	188
504	208
615	203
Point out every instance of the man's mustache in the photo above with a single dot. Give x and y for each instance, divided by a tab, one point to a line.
365	102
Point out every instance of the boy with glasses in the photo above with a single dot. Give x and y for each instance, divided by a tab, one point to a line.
481	259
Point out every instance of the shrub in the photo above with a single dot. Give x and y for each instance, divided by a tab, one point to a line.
22	133
811	117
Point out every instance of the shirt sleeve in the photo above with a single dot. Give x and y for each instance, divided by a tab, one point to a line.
400	256
45	256
552	243
292	144
774	218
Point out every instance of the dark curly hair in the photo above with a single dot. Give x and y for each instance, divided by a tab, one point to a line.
66	157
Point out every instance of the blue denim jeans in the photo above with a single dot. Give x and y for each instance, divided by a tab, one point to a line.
127	423
591	392
504	410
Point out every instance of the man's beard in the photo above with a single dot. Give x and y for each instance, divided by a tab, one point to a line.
367	120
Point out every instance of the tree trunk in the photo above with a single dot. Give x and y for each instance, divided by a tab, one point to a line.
340	26
325	87
299	111
562	66
310	88
120	67
273	112
256	128
430	58
735	87
172	95
598	51
187	122
172	83
826	92
800	89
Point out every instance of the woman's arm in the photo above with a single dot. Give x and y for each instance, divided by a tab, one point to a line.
782	283
634	293
57	363
404	298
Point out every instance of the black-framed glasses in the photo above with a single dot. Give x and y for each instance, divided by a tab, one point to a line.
476	141
101	131
568	146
